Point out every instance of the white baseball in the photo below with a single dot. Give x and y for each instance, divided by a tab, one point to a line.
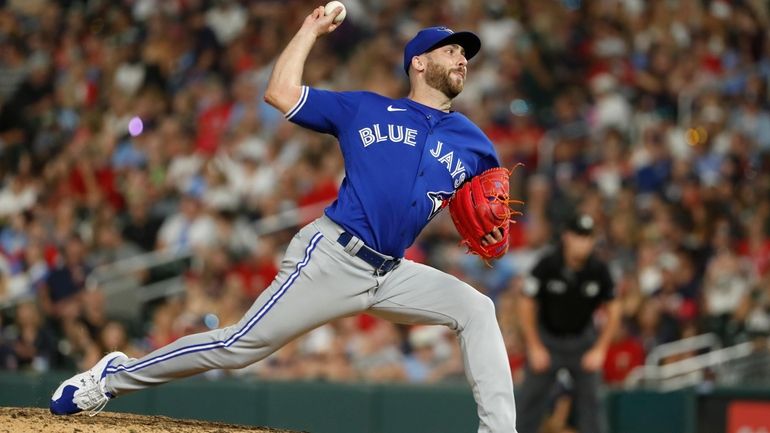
329	8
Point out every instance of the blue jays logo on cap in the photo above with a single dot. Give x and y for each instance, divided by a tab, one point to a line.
433	37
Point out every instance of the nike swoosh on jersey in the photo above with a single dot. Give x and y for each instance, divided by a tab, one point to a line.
392	108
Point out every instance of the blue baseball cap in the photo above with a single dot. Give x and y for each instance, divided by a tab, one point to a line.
433	37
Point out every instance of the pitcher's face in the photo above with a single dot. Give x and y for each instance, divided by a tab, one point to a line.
446	69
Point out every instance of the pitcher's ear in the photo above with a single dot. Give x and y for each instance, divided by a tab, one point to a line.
418	64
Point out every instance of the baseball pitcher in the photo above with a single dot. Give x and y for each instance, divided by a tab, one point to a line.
405	160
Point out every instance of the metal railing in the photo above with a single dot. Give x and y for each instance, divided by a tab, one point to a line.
101	275
693	370
126	293
111	278
696	343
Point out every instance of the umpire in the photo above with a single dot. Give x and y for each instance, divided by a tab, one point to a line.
562	293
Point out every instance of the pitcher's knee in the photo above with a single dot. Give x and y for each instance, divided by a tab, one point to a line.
484	306
479	309
239	351
235	363
237	356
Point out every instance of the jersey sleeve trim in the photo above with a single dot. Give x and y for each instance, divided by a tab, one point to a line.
300	103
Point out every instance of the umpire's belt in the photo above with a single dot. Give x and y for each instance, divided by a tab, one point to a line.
356	247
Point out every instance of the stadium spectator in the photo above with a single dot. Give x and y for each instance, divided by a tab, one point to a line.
140	226
32	345
624	354
113	336
59	293
109	246
190	228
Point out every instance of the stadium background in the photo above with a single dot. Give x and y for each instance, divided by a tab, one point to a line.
147	191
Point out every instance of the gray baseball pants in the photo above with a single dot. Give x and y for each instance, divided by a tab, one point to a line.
534	394
318	282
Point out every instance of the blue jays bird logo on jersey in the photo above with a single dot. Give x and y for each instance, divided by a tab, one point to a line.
440	200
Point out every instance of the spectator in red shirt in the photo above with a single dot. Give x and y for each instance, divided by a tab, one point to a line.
624	354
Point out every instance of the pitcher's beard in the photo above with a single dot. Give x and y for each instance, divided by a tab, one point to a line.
439	78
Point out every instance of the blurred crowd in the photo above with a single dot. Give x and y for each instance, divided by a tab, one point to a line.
134	126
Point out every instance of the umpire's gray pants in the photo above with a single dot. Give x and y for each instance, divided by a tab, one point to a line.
319	282
533	395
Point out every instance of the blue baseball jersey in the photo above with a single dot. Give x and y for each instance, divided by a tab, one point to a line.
403	161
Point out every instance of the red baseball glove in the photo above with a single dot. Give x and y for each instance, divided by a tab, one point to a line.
481	205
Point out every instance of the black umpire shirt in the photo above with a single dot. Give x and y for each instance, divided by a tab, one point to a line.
567	298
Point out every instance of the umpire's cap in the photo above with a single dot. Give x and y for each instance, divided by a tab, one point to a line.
581	224
433	37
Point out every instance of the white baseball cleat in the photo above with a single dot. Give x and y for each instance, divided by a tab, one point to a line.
84	391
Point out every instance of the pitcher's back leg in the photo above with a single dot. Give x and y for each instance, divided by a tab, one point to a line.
316	283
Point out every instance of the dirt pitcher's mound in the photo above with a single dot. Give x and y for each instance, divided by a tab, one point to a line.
35	420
